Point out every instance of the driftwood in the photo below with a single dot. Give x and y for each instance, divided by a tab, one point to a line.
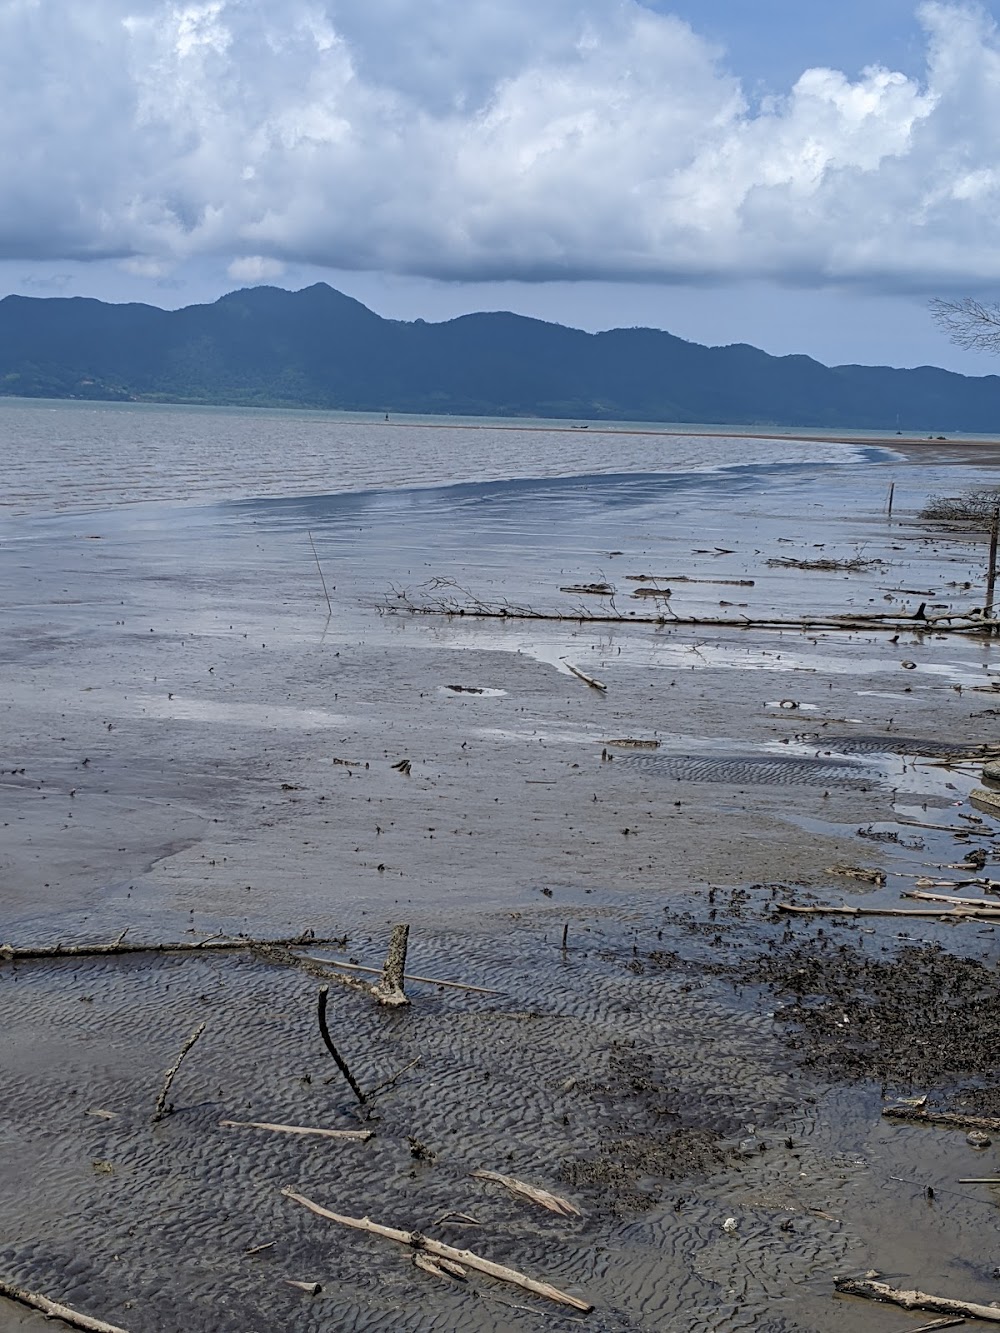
867	874
916	1300
53	1310
989	913
407	976
442	1268
11	953
948	898
970	622
324	1032
161	1101
592	681
542	1197
361	1135
935	1324
635	743
390	989
985	799
310	1288
438	1250
685	578
918	1114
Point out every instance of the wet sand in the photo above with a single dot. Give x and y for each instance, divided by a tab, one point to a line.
191	748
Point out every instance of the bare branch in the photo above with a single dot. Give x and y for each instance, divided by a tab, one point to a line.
969	323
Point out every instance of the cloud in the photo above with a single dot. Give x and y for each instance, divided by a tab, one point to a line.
255	268
462	139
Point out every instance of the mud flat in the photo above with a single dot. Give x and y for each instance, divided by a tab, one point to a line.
192	748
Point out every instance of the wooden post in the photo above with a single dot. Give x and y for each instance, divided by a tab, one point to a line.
390	989
892	488
991	576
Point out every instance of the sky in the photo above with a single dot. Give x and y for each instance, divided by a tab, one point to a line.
803	177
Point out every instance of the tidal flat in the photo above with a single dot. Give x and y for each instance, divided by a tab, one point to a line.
196	746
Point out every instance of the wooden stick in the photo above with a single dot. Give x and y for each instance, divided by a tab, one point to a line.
916	1300
946	898
542	1197
979	1180
592	681
390	989
361	1135
324	1032
161	1101
10	953
439	1250
921	1116
388	1083
310	1288
321	578
936	1324
442	1268
407	976
991	575
53	1310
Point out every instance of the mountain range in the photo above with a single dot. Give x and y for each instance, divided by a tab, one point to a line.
265	346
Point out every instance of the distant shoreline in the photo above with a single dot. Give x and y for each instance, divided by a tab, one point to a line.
565	425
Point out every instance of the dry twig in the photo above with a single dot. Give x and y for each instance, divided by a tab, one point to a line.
360	1135
438	1250
407	976
161	1102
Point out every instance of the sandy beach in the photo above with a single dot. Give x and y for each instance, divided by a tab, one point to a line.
194	748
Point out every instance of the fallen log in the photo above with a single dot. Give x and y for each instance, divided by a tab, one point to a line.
970	624
361	1135
918	1114
439	1250
964	913
685	578
916	1300
53	1310
11	953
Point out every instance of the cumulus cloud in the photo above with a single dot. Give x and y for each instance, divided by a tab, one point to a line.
465	139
